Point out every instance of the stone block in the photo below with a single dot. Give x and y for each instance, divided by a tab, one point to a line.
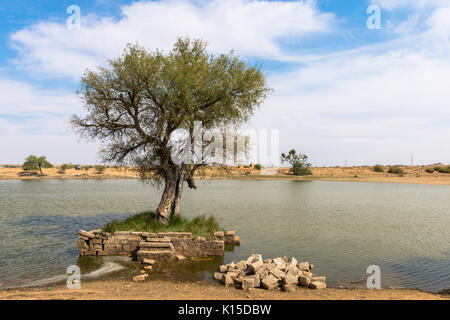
223	269
304	266
304	281
219	234
256	281
277	273
248	283
86	234
317	285
230	233
226	280
148	261
241	265
122	233
269	282
256	265
321	279
288	287
174	234
140	277
279	263
291	277
218	276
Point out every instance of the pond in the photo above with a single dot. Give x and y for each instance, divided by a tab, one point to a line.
340	227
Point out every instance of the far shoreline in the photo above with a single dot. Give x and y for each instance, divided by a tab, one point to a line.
370	178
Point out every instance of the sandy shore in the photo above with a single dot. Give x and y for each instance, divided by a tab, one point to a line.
412	175
167	290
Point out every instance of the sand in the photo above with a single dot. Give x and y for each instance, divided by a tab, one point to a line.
168	290
413	174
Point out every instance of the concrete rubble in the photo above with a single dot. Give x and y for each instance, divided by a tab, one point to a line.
285	273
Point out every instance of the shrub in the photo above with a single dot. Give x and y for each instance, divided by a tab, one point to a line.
429	170
258	166
99	168
378	168
444	170
300	170
437	168
396	170
146	222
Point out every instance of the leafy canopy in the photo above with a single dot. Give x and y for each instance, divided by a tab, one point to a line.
135	104
36	163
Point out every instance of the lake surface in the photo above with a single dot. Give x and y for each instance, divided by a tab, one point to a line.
340	227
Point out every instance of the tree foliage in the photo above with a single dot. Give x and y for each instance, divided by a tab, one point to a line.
135	104
300	166
34	163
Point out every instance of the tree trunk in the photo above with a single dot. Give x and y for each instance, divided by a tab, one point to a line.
178	191
164	211
40	169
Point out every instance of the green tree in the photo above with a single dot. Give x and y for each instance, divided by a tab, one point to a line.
135	105
378	168
36	163
300	166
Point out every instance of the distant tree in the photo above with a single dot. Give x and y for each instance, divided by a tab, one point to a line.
100	168
36	163
135	105
378	168
396	170
300	166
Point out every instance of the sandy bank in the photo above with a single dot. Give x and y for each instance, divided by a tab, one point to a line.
167	290
413	175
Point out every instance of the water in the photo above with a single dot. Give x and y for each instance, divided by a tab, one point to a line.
340	227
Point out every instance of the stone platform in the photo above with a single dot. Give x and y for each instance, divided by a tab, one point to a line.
161	246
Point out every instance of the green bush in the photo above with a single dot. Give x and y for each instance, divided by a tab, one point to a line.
378	168
444	170
437	168
146	222
99	168
258	166
429	170
298	169
396	170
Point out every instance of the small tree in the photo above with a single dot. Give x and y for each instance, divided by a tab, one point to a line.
100	168
396	170
300	166
378	168
36	163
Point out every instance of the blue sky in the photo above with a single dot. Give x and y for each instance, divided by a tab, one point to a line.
342	92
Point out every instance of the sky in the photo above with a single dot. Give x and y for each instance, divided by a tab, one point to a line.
342	93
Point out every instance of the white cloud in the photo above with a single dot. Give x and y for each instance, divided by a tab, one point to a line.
413	4
36	121
252	28
24	100
373	104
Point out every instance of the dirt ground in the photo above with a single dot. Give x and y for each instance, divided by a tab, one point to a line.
167	290
412	175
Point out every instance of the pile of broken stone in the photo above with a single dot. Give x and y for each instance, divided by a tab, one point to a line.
286	273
